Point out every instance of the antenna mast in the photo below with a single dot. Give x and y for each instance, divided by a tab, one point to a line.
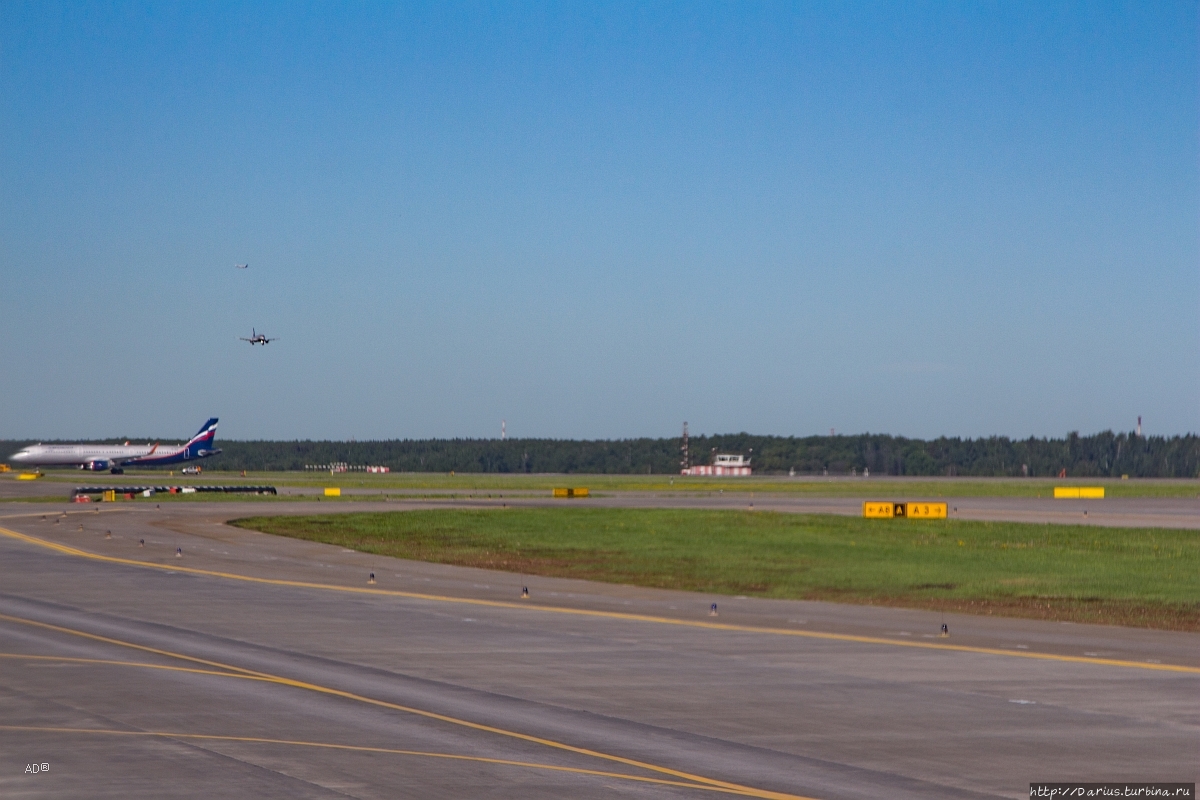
683	459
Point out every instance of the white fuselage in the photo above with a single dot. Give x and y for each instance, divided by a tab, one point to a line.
53	455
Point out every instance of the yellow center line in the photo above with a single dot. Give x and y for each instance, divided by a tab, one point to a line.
142	664
121	643
239	672
584	612
366	749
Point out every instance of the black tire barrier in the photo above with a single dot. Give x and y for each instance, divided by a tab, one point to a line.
137	490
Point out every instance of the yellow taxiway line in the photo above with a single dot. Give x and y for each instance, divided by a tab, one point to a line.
583	612
365	749
229	671
114	663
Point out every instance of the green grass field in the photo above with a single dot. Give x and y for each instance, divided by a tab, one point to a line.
1139	577
884	488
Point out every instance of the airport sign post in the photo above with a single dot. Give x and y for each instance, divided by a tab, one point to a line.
884	510
879	510
926	510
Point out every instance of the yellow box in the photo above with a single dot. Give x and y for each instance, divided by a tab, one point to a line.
879	510
5	468
29	476
926	510
561	493
581	492
1086	492
333	491
110	496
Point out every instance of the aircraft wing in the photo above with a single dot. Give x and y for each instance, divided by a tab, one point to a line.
124	461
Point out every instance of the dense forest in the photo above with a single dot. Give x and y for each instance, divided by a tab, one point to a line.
1103	454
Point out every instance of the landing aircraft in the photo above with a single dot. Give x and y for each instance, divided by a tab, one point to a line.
113	457
242	266
257	338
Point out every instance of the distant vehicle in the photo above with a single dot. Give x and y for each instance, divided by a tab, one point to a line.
114	457
242	266
257	338
191	470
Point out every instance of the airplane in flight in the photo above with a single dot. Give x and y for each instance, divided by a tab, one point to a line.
114	457
242	266
257	338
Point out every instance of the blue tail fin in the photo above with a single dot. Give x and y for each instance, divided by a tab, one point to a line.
201	444
212	423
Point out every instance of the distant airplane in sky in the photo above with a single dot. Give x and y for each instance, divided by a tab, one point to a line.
114	457
242	266
257	338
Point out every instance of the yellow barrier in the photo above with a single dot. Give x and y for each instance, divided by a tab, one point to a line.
1085	492
29	476
875	510
333	492
579	492
110	496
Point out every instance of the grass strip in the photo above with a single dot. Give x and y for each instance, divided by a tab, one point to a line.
1143	577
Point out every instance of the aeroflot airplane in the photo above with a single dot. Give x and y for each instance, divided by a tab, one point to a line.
99	457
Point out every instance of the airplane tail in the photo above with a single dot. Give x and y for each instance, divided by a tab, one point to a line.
201	444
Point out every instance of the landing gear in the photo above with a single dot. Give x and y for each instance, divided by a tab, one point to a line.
117	471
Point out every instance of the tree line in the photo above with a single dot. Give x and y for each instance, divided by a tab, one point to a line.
1104	454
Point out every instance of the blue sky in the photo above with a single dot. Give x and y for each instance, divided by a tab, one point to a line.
599	221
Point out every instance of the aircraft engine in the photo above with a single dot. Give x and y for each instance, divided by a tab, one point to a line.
98	465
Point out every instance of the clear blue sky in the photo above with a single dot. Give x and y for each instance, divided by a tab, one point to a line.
597	221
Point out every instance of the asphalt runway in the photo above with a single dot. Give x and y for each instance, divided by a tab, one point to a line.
255	666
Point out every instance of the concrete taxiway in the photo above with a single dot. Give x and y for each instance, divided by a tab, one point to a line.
158	652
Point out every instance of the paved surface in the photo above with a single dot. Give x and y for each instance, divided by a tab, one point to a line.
1119	512
1171	512
298	679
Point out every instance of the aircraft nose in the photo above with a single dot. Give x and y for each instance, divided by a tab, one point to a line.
21	456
